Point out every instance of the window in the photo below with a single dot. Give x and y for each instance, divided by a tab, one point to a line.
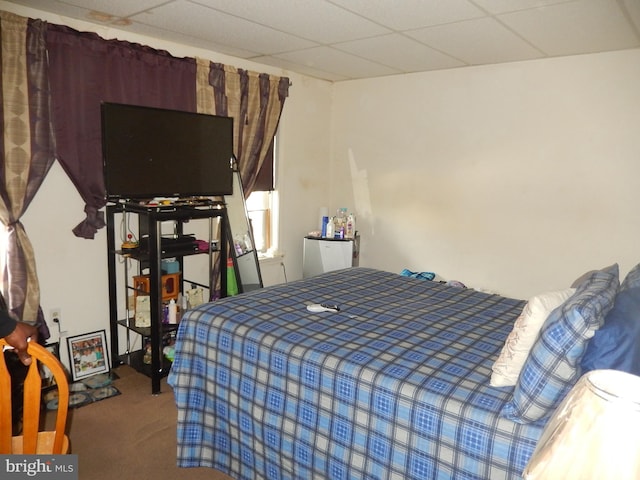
261	207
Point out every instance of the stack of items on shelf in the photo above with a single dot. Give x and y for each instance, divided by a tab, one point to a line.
173	301
242	244
168	347
339	227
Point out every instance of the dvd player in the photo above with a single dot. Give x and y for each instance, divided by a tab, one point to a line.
181	243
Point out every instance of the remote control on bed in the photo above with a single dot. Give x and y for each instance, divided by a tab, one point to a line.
322	307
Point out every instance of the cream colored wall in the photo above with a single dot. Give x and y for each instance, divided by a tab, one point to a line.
514	178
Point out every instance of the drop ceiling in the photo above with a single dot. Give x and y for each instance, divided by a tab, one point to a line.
352	39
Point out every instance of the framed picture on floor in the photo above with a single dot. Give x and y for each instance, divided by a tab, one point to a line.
88	354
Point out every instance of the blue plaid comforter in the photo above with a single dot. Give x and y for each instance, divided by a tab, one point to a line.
394	386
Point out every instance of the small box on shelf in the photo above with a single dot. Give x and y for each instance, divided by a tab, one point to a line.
170	285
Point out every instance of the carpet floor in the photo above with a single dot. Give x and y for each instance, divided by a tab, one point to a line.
131	435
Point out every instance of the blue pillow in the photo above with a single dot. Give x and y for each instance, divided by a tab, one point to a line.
632	280
617	344
553	365
613	269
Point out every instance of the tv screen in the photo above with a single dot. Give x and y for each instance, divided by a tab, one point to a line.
153	152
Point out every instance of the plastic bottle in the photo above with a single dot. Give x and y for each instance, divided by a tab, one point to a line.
184	304
338	229
232	285
238	245
351	226
173	311
330	227
247	242
341	220
324	213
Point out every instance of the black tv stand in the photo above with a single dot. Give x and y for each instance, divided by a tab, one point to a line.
124	264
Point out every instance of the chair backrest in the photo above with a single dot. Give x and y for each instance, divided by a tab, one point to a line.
33	441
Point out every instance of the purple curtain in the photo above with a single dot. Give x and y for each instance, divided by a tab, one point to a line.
26	155
86	70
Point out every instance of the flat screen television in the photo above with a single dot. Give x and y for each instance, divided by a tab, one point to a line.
153	152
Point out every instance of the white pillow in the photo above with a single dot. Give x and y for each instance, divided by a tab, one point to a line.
525	331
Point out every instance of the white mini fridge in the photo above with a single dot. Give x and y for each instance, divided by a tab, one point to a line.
322	255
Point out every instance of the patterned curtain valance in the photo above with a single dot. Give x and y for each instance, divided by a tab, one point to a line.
255	101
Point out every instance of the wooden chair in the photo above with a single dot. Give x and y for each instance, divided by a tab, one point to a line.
33	441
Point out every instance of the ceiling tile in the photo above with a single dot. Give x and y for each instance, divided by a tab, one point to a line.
503	6
477	42
207	44
120	9
411	14
319	21
633	9
574	27
296	67
399	51
54	6
345	39
334	61
220	28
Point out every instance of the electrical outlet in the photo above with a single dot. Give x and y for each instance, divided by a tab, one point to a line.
56	315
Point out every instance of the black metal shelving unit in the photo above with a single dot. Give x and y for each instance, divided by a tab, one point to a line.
149	258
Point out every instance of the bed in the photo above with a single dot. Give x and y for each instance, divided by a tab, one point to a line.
396	385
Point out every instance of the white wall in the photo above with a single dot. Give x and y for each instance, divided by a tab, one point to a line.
302	178
514	178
